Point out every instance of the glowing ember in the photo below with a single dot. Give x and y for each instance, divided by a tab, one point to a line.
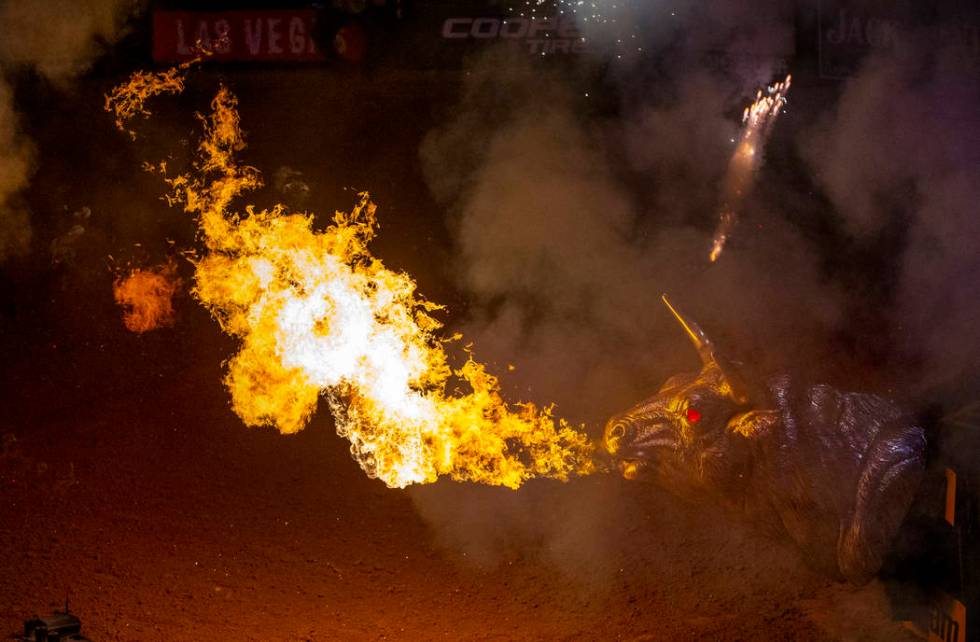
316	313
757	119
147	297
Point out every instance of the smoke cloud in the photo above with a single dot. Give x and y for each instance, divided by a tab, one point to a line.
570	220
899	157
569	224
569	229
59	40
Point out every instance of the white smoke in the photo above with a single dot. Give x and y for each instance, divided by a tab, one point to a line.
565	255
59	40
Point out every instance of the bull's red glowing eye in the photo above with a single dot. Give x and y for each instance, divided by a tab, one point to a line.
693	415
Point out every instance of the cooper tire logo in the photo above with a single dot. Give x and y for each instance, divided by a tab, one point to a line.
539	35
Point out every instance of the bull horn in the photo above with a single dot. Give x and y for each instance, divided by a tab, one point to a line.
706	350
700	340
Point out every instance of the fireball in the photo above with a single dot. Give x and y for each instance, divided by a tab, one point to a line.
316	313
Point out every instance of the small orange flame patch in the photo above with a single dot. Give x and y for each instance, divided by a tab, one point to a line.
146	296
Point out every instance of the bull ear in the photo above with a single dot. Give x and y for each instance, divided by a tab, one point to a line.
706	350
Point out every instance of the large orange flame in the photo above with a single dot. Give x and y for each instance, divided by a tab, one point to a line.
316	313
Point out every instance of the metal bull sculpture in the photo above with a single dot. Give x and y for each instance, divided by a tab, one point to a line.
835	471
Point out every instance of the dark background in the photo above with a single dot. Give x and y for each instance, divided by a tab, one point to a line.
547	203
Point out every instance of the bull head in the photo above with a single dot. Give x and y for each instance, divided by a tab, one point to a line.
836	471
695	430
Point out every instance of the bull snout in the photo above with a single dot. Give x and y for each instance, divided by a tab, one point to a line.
638	438
618	431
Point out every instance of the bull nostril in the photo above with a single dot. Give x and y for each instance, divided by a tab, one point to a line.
614	434
618	431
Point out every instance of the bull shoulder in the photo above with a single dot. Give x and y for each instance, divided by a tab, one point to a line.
841	469
754	424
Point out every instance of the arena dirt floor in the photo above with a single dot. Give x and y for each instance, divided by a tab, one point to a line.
127	482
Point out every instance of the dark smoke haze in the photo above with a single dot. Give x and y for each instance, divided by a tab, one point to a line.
569	224
900	154
856	255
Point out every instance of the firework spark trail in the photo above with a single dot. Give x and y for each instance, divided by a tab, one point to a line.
316	312
757	120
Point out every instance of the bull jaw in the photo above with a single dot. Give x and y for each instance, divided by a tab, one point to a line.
631	468
635	459
637	455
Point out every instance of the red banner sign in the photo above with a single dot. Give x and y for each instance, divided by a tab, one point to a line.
274	35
